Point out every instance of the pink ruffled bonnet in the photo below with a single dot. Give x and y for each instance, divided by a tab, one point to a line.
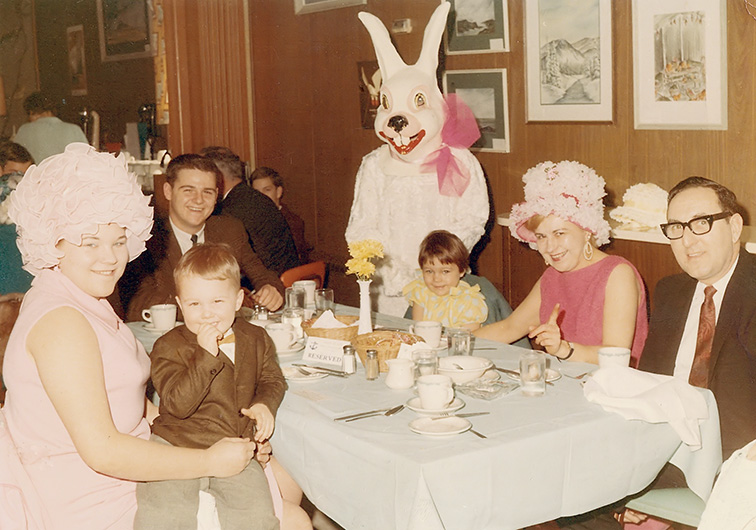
70	194
569	190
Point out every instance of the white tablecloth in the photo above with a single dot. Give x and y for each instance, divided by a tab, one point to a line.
544	457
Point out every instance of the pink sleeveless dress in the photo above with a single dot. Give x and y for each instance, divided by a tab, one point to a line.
580	295
47	473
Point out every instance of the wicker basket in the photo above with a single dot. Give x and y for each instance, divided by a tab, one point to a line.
386	343
333	333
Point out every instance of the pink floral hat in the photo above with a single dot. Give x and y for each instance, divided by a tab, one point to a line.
569	190
70	194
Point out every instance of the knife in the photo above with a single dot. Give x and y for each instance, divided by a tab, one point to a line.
324	370
357	415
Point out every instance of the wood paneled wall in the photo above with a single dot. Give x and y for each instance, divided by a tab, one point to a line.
307	116
209	82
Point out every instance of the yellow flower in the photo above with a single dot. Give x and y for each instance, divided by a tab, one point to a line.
361	267
366	249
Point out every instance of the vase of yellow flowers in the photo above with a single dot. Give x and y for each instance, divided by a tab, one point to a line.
361	266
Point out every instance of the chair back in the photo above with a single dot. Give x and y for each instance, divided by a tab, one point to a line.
309	271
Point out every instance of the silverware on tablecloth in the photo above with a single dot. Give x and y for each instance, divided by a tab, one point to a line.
389	412
463	415
357	414
578	377
329	371
476	433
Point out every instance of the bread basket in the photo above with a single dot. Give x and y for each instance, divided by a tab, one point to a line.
347	333
386	343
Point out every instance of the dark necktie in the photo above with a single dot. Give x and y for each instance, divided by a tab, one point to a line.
699	372
193	237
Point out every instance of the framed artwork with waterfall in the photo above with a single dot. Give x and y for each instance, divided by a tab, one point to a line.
568	60
680	64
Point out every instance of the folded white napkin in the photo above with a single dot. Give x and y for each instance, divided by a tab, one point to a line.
328	320
654	398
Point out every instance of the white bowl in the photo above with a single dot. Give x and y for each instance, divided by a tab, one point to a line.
472	367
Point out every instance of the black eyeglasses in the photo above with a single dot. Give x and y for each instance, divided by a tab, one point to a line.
698	225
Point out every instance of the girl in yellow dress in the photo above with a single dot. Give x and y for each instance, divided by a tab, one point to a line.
439	293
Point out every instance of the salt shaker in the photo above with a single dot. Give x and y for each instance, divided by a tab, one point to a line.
371	365
349	360
262	312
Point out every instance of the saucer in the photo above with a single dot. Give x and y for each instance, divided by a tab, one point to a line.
414	404
298	347
551	375
148	326
440	426
292	374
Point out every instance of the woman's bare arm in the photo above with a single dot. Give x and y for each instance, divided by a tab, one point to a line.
66	352
516	325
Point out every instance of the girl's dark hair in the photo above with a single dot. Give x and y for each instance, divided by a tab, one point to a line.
444	247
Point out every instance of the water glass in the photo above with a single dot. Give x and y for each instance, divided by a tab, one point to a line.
294	317
532	373
324	300
460	341
426	362
295	297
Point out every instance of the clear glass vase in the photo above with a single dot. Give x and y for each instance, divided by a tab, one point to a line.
365	324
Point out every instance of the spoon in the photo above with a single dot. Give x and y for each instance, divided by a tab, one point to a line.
458	367
389	412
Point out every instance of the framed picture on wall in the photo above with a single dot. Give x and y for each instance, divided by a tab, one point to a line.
568	55
370	87
485	92
477	27
302	7
77	68
124	29
680	64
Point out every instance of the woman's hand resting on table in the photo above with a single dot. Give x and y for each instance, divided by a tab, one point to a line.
229	456
548	335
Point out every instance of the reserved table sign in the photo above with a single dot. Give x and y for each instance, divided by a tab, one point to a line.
325	351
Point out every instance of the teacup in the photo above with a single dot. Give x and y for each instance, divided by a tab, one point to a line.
613	356
430	332
161	316
435	391
283	336
309	288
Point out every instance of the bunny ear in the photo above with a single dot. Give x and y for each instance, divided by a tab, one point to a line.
428	60
389	60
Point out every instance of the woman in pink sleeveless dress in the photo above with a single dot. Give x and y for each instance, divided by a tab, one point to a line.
73	432
585	299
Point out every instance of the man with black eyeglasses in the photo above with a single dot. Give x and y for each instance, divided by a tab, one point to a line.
703	323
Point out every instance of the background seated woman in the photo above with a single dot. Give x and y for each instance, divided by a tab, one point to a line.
585	299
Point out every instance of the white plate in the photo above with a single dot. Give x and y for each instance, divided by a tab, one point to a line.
551	375
414	404
292	374
440	427
147	326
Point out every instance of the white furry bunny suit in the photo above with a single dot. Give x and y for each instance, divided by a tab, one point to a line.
420	180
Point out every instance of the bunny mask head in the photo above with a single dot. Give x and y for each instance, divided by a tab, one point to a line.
412	111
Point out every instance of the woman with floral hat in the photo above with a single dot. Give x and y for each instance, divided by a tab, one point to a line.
586	298
74	436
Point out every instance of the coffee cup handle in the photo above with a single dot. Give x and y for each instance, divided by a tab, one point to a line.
449	395
292	338
146	315
412	329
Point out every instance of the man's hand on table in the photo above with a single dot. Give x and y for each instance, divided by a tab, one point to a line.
266	296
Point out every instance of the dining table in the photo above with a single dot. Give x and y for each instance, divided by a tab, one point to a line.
542	457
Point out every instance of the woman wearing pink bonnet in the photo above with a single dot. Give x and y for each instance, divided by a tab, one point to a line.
74	436
586	299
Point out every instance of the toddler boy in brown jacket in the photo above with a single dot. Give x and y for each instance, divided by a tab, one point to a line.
217	377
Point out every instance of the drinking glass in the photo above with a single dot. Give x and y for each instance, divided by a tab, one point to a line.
294	317
426	362
532	373
295	297
324	300
460	342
